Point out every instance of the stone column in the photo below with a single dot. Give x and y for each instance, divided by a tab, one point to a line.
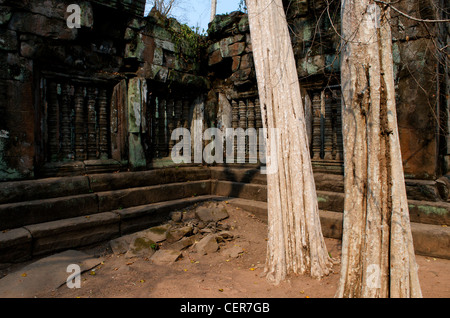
328	128
316	146
170	124
161	127
52	121
91	124
136	90
103	124
66	109
80	129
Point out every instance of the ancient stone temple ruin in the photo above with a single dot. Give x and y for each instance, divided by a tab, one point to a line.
87	115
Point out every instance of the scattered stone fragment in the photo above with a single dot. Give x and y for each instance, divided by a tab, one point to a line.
141	246
207	245
226	235
188	215
176	216
184	243
45	275
211	214
165	257
176	234
121	245
234	252
157	233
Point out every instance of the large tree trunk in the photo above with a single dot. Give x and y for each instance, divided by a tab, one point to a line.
213	10
377	250
295	241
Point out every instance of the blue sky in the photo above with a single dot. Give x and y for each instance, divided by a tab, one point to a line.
197	12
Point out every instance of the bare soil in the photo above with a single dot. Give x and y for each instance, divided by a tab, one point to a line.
217	275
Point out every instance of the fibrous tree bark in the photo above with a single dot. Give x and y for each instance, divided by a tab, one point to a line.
213	10
377	250
295	241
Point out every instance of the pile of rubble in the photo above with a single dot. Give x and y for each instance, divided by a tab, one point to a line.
197	229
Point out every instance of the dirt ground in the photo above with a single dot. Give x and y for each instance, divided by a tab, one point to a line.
218	276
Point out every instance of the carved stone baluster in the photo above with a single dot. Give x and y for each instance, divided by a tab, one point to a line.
170	124
66	149
251	114
92	124
152	124
316	127
258	124
243	125
103	124
339	140
156	119
328	129
161	127
235	114
80	129
52	121
258	116
234	120
186	113
252	155
242	115
178	113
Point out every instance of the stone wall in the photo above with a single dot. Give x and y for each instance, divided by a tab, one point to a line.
422	86
231	69
65	92
106	97
421	115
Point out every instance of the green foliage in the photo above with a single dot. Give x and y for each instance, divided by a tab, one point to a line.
189	40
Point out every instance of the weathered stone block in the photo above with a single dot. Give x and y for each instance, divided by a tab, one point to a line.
236	63
429	212
8	40
431	240
15	246
142	217
125	198
197	188
14	215
73	233
215	58
123	180
238	175
5	14
165	257
255	192
211	214
232	50
41	25
176	234
17	191
241	75
207	245
188	174
330	201
16	68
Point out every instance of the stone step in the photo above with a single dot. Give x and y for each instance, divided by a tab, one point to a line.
429	239
23	243
437	213
425	190
15	215
125	198
29	241
30	190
